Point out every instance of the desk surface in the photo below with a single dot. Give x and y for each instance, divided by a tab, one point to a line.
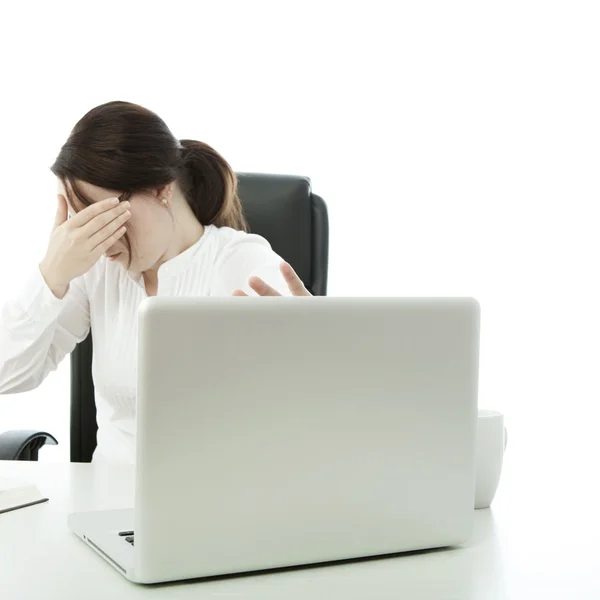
521	548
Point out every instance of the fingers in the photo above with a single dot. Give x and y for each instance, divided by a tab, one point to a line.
293	281
102	220
262	288
62	211
90	212
106	244
109	229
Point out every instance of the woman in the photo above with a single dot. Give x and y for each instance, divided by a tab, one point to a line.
139	213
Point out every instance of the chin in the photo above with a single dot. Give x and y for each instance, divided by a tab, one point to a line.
122	261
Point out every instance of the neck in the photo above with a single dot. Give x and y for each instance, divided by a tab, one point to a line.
181	242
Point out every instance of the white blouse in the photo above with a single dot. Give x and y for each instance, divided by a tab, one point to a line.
37	329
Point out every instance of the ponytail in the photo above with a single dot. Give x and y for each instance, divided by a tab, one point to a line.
209	185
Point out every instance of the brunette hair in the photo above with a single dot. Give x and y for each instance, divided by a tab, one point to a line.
126	147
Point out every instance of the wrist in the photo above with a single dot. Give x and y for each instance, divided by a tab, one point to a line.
59	289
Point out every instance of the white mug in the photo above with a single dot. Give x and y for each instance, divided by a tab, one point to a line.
491	442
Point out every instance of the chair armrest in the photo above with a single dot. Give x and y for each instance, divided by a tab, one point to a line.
23	445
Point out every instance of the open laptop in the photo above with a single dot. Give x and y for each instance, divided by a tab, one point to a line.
274	432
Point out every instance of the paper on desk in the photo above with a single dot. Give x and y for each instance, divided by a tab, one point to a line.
15	494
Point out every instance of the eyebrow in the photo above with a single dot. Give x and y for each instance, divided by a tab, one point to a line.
72	191
80	197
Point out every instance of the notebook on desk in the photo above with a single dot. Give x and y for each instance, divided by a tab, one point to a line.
15	494
274	432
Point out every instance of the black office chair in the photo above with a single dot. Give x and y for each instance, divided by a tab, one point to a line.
281	208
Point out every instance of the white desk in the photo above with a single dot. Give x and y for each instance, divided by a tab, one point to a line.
521	549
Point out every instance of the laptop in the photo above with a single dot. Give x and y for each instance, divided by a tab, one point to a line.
276	432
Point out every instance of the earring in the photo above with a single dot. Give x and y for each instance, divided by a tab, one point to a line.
164	201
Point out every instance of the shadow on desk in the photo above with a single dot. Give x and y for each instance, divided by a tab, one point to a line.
311	566
460	560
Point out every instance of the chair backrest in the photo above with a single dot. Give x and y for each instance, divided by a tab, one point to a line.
281	208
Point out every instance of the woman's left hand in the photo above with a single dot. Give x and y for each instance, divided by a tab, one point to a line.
294	283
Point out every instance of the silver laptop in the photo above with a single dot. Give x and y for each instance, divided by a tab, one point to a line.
274	432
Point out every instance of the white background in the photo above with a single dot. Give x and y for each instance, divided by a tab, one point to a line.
456	144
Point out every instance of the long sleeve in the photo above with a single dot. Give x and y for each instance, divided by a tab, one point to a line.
37	330
249	256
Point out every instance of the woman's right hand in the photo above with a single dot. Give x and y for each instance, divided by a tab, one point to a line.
76	244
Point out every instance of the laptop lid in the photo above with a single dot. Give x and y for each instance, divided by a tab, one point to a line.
287	431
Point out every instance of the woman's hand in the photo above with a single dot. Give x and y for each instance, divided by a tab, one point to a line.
294	283
76	244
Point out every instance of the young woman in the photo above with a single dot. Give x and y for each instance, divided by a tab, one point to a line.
140	213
